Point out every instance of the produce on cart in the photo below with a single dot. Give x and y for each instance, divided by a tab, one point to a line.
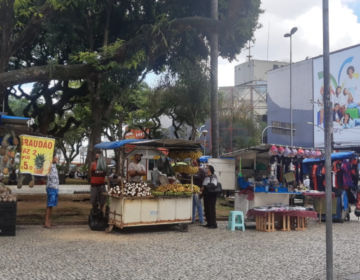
171	203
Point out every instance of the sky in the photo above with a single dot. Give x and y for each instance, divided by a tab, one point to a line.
281	16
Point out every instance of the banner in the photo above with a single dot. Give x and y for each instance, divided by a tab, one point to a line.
36	154
345	98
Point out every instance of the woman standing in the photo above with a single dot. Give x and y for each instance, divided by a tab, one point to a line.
210	198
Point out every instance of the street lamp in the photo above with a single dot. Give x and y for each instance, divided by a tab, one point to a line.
292	32
204	132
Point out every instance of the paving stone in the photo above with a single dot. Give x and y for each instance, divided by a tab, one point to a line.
75	252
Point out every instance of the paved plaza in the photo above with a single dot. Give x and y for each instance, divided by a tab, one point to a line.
75	252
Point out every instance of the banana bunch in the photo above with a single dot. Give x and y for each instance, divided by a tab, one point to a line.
195	154
156	193
186	169
187	188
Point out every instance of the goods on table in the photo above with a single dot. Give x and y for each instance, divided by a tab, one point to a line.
176	189
8	152
5	194
187	187
131	189
186	169
184	154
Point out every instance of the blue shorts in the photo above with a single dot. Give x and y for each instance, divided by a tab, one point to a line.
52	197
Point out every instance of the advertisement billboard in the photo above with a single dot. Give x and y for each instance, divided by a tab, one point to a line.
36	154
345	98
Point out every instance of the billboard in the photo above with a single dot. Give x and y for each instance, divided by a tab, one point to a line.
36	154
345	98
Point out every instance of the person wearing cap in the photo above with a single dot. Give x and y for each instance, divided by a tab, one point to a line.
136	170
210	198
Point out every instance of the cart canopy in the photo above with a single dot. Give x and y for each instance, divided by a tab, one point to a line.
334	156
171	144
115	144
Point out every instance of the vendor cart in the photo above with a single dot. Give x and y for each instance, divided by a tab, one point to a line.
131	211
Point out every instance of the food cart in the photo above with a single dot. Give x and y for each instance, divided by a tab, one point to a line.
133	211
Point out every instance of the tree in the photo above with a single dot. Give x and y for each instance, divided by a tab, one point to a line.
242	127
132	37
187	94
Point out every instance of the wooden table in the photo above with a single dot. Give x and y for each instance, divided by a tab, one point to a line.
291	219
319	195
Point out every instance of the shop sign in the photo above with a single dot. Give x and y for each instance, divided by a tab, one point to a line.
36	154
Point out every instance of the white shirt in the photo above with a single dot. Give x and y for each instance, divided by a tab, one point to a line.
351	85
136	167
307	183
214	180
53	178
342	100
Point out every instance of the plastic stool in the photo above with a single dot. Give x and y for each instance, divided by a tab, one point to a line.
239	216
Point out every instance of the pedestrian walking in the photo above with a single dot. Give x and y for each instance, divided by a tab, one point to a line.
210	198
52	191
197	202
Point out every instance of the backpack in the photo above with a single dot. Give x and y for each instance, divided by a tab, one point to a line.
96	220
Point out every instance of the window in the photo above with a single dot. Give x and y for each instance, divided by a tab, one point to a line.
282	128
275	66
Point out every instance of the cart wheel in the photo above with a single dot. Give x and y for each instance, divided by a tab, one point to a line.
184	227
109	229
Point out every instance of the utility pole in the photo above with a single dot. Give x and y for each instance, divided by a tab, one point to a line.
214	53
328	141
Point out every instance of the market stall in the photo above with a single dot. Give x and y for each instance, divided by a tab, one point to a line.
269	174
141	204
345	176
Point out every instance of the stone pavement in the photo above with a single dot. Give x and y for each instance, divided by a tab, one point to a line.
162	252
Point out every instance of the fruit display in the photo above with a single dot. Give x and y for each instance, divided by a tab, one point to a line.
186	169
8	153
187	187
131	189
181	155
5	194
175	190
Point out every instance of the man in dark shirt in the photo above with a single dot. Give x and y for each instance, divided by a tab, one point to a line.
197	202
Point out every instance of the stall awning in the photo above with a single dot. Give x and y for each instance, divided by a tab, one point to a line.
334	156
116	144
171	144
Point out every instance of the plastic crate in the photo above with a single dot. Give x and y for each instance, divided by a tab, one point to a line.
7	218
281	190
7	230
242	183
260	189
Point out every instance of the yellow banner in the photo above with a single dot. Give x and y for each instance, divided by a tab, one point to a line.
36	154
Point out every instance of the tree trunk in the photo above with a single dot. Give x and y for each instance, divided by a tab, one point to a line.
214	45
96	109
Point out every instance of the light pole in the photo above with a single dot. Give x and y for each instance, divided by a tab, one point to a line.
262	134
204	132
328	126
292	32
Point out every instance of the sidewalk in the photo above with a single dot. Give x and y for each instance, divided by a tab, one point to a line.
41	189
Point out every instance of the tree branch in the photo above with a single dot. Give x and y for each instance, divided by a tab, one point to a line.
29	34
46	73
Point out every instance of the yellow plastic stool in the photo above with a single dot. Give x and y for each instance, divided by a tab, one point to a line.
236	220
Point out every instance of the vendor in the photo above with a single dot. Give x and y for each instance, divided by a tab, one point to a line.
136	170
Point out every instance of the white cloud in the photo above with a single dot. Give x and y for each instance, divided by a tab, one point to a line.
307	16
